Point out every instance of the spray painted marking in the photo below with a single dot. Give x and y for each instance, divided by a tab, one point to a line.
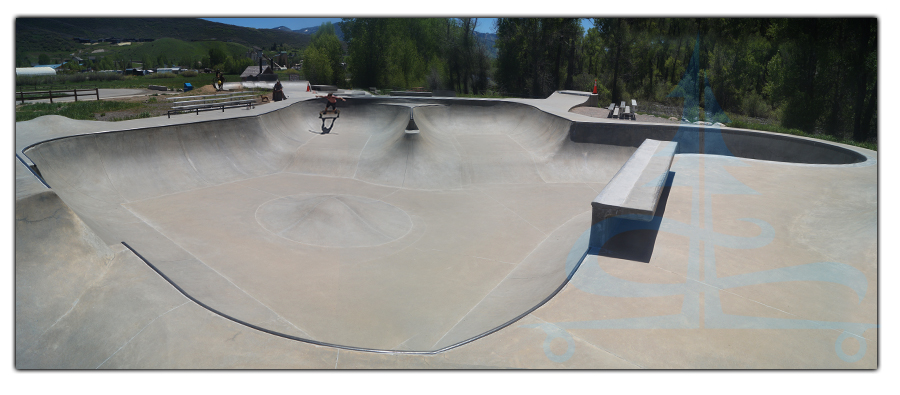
715	180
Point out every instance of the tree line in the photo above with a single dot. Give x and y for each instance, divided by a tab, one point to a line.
812	74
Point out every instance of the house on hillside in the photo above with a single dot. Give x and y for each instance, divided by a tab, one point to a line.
52	66
252	73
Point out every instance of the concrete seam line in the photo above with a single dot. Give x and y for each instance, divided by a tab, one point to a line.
138	333
372	350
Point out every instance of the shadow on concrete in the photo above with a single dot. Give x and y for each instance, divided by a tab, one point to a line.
634	240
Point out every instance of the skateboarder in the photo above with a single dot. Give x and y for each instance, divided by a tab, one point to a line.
219	83
331	101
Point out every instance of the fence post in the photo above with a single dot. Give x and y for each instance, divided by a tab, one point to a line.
51	95
76	94
97	92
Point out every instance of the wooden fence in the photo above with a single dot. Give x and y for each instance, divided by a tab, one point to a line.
60	93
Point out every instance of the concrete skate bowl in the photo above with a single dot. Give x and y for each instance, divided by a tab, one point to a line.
367	237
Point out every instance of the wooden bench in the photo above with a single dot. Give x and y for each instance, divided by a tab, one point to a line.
628	193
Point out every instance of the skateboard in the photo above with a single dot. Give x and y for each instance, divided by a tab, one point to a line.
324	114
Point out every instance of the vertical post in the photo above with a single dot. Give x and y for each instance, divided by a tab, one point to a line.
97	92
76	94
51	95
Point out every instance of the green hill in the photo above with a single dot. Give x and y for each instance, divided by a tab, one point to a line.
177	49
55	37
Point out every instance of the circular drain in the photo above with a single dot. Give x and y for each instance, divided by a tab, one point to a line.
334	220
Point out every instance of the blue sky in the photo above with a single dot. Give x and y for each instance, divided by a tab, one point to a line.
485	25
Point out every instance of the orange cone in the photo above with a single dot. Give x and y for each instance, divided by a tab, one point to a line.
595	87
309	90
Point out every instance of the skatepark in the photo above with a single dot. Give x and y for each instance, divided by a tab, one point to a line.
439	233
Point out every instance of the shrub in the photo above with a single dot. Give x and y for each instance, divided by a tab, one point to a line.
161	75
754	105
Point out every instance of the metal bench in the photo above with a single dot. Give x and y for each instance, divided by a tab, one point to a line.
616	112
627	113
612	107
196	104
634	190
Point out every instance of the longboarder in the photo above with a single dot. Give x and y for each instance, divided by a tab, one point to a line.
331	101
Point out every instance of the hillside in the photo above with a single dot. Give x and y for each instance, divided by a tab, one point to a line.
56	35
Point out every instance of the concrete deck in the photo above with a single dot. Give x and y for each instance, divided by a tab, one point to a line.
255	241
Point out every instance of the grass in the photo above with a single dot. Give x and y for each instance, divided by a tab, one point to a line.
175	81
796	132
84	110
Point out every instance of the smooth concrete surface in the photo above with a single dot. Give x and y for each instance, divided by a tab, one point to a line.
449	249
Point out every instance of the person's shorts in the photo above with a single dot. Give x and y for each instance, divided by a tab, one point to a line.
330	104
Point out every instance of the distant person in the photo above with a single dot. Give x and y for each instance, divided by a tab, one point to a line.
278	91
331	101
220	81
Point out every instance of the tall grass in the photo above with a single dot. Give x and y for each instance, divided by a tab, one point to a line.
115	81
75	110
28	81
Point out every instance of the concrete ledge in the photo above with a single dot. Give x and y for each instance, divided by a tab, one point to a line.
158	87
636	187
324	88
405	93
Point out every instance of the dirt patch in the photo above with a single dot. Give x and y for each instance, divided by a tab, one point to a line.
157	105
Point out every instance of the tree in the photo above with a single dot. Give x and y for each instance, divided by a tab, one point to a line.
327	53
316	66
217	55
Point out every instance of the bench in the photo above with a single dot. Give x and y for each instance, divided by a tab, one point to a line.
196	104
612	107
627	114
616	113
628	191
634	106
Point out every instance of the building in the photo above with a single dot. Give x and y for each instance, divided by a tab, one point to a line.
252	73
40	70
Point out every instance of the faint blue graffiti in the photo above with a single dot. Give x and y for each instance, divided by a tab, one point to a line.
714	180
